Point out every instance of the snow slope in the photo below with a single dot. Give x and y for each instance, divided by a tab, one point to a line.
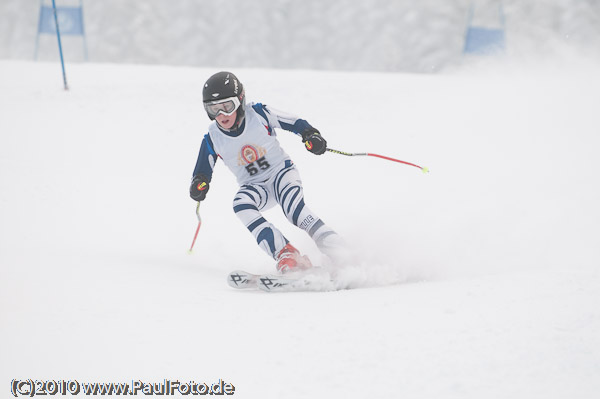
479	279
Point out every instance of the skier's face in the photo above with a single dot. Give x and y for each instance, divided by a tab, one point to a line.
226	121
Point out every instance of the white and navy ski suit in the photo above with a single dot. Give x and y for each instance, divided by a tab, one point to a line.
265	173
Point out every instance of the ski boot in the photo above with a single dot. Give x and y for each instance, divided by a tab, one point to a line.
289	259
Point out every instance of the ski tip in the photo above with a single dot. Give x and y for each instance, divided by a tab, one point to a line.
425	169
240	279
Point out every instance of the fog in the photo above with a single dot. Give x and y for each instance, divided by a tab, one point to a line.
367	35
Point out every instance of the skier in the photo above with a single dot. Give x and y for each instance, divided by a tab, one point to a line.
243	136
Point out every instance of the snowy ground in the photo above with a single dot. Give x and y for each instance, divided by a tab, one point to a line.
478	280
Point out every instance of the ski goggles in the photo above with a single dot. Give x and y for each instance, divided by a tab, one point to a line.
226	106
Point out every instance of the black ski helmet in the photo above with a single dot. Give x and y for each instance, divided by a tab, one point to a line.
224	85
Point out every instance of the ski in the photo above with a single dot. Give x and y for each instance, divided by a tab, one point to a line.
276	283
240	279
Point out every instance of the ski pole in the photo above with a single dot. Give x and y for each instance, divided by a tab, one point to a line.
352	154
197	228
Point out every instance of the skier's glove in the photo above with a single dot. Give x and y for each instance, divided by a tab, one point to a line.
199	187
313	141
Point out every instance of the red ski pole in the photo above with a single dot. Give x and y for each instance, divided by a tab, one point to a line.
197	228
352	154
